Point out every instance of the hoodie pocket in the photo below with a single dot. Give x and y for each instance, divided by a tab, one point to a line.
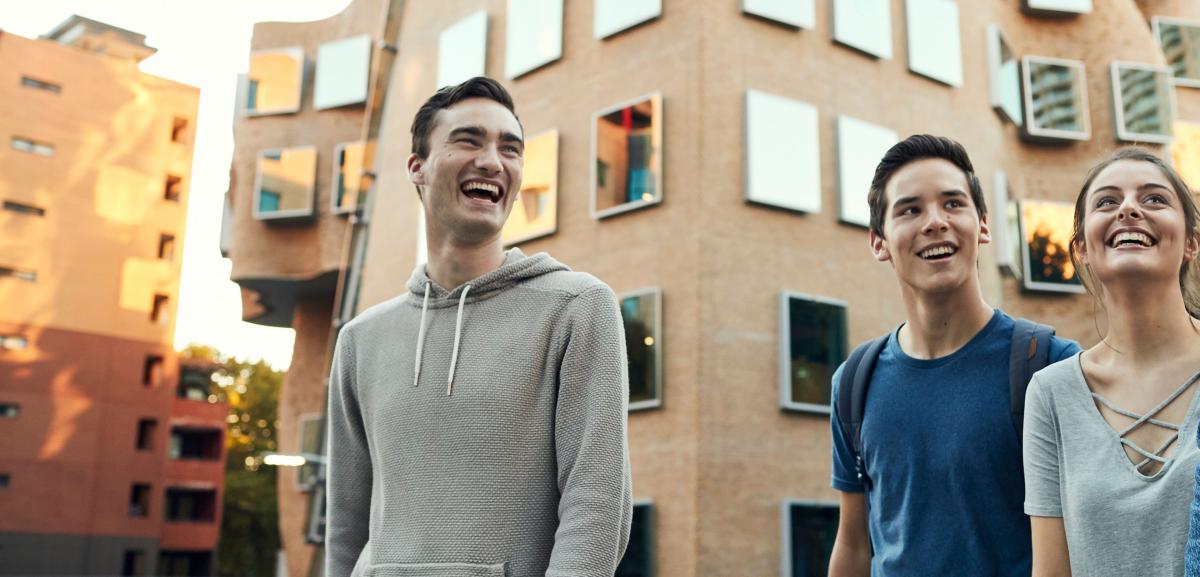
434	570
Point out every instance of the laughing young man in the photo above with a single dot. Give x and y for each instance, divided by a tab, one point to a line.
477	422
941	489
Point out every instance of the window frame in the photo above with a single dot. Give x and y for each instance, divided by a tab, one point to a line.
244	87
1028	7
1007	260
997	44
311	483
807	118
785	350
1166	90
13	342
1028	127
21	274
10	410
845	173
453	38
785	523
803	16
356	42
338	150
877	43
651	514
913	17
28	81
1027	282
656	295
35	147
554	135
1156	23
148	435
604	27
656	99
23	208
284	215
514	18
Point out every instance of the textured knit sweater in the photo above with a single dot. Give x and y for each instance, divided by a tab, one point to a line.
481	432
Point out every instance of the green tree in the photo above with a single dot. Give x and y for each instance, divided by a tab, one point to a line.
250	523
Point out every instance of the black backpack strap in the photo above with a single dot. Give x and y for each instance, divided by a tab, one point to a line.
852	398
1029	354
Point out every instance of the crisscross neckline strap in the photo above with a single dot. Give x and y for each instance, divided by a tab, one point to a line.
1140	420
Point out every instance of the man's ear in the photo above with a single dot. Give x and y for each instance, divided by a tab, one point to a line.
415	173
879	247
985	232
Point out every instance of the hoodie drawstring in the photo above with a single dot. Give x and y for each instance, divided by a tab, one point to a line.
457	333
421	338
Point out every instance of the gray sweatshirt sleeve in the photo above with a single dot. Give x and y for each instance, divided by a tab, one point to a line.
349	472
1040	453
595	504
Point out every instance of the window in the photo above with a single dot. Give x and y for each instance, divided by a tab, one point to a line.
145	434
1057	7
184	563
639	554
641	312
139	500
13	342
195	444
627	146
173	188
1006	234
152	371
5	480
1055	98
273	83
9	410
860	145
1185	151
166	247
286	183
348	158
343	73
613	16
1180	42
190	505
533	35
315	532
133	563
1004	77
812	344
158	311
1142	97
934	43
865	25
462	50
179	129
32	146
312	432
535	210
18	273
195	383
30	82
808	533
1046	233
795	13
783	152
22	208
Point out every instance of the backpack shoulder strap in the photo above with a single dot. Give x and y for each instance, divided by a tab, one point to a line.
852	396
1029	354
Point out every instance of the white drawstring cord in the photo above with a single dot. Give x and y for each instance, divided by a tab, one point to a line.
457	332
421	338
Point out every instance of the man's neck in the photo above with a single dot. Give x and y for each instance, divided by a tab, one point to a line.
939	324
453	263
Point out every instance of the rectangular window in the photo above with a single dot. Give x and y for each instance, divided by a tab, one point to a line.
348	159
1180	42
286	183
189	444
641	312
188	505
18	273
535	210
13	342
783	152
22	208
1046	228
534	30
1057	7
343	72
32	146
145	434
5	480
166	247
195	383
812	344
1004	77
133	563
1142	95
639	554
1055	99
9	410
613	16
808	533
312	433
1006	235
462	50
173	188
30	82
139	500
864	25
934	41
628	139
795	13
274	82
173	563
158	310
860	145
152	371
179	129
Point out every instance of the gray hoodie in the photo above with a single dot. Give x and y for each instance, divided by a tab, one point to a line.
480	432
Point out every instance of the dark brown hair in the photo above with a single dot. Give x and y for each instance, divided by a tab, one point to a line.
913	148
478	87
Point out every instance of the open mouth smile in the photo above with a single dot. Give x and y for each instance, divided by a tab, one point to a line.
938	252
1131	238
483	190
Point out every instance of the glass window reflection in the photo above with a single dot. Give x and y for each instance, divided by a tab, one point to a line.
1143	97
641	311
627	145
1055	99
535	210
1180	42
286	183
348	159
1046	233
813	343
273	84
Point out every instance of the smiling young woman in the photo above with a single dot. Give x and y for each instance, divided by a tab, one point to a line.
1109	458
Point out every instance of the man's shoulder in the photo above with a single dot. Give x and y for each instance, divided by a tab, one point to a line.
566	283
379	315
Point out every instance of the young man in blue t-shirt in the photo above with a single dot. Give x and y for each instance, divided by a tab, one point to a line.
939	445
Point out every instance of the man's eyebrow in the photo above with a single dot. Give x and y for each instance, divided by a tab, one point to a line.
510	137
907	200
476	131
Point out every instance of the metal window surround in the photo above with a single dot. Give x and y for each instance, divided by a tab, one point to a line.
785	352
934	40
612	16
1142	105
462	50
783	152
533	35
1056	97
656	140
656	300
865	25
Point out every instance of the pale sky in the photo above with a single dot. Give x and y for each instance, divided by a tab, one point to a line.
204	44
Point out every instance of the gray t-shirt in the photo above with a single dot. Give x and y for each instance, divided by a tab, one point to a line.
1118	521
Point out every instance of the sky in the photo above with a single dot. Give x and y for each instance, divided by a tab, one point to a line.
206	45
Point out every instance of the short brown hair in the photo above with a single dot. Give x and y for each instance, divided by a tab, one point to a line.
913	148
478	87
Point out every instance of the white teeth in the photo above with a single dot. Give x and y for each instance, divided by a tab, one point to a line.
1137	237
486	187
937	251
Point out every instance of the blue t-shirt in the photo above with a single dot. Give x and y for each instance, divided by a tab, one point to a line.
1192	566
944	460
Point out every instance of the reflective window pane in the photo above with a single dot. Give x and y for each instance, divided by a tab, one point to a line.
1055	99
462	50
286	183
934	44
533	35
1006	234
312	430
1185	152
860	147
783	152
639	555
535	211
612	16
1004	77
641	312
798	13
1180	42
1059	6
813	344
1143	102
347	182
343	71
273	84
865	25
1046	234
627	147
809	531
